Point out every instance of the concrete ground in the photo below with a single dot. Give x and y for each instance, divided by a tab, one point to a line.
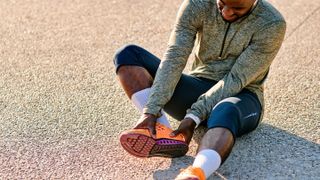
61	108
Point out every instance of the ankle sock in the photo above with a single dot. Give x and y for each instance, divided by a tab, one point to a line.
208	160
140	99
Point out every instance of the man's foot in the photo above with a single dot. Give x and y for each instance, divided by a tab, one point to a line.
191	173
140	143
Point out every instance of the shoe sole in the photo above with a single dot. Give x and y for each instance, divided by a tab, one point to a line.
143	146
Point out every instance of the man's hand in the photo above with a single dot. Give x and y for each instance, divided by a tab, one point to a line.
186	128
148	121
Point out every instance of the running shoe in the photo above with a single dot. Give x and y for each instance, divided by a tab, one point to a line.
193	173
140	143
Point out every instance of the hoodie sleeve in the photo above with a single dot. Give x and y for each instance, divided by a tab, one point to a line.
174	61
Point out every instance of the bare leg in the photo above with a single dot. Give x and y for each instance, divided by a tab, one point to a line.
219	139
134	79
214	149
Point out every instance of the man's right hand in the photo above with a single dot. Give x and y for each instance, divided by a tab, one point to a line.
147	121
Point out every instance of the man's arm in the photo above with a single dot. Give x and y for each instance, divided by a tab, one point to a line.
179	48
254	61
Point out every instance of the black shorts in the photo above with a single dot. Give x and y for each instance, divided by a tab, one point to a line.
240	113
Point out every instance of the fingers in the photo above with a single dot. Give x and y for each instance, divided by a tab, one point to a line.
152	129
140	125
147	121
175	133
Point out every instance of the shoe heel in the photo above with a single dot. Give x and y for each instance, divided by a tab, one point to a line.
137	145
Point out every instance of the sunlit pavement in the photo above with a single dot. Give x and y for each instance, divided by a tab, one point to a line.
61	108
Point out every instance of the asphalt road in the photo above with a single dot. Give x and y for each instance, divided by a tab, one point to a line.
61	108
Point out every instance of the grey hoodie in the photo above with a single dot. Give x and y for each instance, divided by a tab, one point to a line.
237	55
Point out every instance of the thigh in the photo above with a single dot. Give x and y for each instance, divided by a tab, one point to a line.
187	92
133	55
240	114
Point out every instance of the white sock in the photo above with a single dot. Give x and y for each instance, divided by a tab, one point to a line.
140	99
208	160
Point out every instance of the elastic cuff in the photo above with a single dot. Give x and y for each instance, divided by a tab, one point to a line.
194	118
147	111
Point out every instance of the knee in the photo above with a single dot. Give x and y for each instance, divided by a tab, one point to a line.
225	114
225	108
125	52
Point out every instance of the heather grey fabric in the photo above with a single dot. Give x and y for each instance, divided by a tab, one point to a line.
236	54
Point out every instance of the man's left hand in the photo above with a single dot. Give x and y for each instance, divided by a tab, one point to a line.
186	128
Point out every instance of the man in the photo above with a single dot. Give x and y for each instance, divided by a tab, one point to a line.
234	43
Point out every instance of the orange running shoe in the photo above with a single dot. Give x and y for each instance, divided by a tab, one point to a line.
140	143
193	173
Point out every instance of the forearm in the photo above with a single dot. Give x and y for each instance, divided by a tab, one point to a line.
164	84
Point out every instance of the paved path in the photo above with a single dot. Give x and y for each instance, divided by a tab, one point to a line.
61	109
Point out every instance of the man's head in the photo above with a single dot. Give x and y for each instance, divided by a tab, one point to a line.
231	10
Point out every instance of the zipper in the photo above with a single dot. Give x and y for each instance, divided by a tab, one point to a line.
223	42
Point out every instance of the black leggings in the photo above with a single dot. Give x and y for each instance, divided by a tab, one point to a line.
240	114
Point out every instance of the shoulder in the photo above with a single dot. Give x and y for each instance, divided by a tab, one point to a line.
200	8
196	9
200	4
268	17
269	14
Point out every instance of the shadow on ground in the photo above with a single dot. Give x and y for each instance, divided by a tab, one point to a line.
269	152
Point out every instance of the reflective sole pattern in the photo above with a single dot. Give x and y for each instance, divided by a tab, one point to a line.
143	146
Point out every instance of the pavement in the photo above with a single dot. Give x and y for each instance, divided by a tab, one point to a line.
62	109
